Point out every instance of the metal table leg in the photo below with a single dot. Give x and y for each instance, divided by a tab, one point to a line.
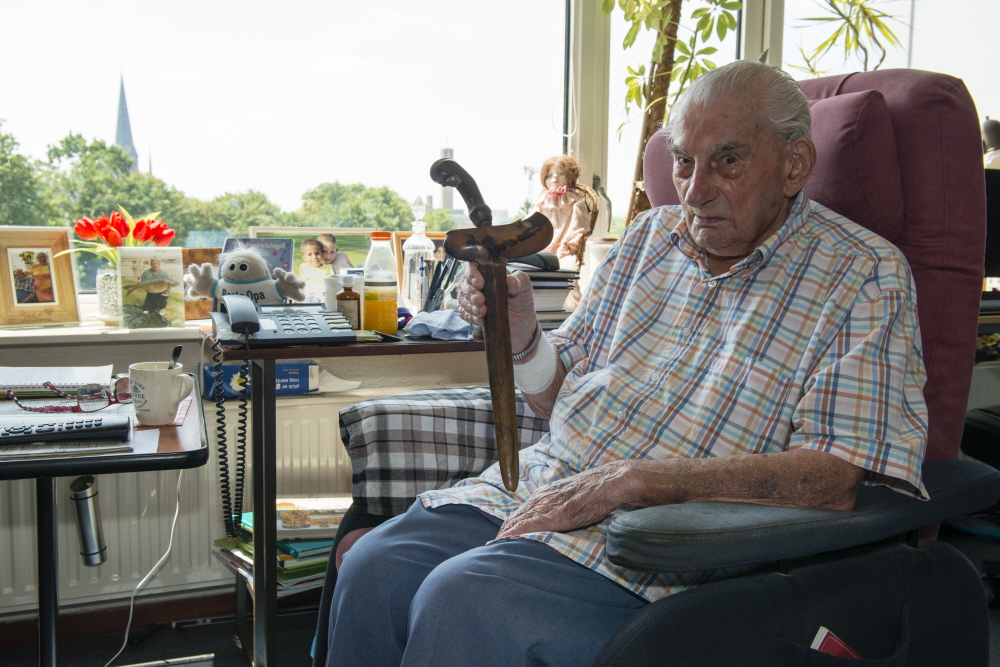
48	572
264	457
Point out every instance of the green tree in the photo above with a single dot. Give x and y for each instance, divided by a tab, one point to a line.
82	179
236	213
438	220
22	201
354	205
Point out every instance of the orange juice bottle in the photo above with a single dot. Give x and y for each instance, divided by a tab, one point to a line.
380	306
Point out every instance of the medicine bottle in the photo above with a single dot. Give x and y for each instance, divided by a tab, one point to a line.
380	286
349	302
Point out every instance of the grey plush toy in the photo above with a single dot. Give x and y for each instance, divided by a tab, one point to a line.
244	271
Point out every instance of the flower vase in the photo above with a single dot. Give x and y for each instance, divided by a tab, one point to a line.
108	295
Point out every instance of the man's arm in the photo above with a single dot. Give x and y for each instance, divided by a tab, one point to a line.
795	478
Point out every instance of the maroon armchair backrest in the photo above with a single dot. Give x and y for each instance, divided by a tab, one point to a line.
900	152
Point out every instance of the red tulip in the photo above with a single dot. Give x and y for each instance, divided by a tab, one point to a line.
112	237
86	229
118	222
165	238
142	232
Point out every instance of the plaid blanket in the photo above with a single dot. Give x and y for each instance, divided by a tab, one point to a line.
405	444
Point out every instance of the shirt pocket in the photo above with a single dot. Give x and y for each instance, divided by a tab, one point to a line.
733	406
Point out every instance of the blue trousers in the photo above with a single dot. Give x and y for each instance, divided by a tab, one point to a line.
422	589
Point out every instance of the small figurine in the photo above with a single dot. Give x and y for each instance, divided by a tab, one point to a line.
244	271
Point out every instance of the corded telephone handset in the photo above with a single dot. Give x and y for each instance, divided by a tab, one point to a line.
239	323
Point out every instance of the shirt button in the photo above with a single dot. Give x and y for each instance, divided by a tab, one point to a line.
620	415
686	331
713	283
654	376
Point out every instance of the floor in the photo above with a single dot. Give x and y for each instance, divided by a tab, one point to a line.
296	632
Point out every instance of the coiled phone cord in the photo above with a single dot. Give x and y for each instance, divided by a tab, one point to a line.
231	522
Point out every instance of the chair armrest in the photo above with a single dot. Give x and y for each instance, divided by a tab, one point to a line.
709	535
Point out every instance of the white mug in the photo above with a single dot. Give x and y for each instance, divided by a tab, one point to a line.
157	391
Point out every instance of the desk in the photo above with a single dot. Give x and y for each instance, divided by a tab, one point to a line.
261	469
184	446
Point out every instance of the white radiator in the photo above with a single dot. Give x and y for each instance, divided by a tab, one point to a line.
137	508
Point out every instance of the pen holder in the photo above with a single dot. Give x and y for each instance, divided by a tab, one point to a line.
83	492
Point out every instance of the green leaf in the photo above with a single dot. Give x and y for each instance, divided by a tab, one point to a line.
708	50
708	63
701	11
732	6
721	28
707	32
607	6
683	48
763	56
630	36
702	22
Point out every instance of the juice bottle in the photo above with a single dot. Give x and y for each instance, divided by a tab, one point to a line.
381	280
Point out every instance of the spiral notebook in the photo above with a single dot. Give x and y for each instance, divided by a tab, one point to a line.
29	381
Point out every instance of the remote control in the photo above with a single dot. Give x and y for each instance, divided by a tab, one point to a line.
80	429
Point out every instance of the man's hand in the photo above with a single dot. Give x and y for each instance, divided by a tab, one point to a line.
521	304
570	503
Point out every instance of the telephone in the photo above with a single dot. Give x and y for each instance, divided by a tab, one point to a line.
239	323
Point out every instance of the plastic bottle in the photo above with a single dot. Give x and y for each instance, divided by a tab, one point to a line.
349	302
381	285
418	256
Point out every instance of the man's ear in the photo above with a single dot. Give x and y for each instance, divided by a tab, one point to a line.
801	160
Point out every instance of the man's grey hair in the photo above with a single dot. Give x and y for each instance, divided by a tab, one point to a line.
782	104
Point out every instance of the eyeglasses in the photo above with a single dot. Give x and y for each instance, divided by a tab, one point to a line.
89	397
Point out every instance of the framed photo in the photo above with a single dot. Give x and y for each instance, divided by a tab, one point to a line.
36	287
152	287
397	246
318	252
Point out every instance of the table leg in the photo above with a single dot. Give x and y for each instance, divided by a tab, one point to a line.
48	571
265	614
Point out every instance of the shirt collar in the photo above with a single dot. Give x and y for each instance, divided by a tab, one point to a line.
680	236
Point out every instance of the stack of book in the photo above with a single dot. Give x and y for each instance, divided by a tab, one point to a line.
550	288
306	526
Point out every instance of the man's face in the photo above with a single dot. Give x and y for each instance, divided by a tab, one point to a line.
154	265
730	173
329	252
42	258
312	255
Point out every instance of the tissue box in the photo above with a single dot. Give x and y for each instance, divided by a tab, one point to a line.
295	376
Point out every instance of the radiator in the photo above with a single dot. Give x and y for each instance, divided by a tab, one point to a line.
137	509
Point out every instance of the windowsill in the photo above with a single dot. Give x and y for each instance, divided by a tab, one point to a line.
91	330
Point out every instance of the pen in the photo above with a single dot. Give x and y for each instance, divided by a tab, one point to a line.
438	270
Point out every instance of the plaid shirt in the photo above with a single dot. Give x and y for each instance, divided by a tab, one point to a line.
811	341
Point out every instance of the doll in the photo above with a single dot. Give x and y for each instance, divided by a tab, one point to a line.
244	271
564	203
571	210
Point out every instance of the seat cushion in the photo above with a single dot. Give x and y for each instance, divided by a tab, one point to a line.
857	169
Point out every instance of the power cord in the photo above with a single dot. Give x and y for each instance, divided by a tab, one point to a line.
152	572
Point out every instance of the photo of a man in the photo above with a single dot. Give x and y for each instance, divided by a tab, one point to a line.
156	302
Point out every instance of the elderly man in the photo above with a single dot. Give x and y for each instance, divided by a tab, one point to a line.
750	346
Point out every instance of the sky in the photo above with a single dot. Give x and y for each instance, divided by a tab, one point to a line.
228	96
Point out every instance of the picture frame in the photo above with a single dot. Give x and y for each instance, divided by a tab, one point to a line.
398	238
151	284
352	245
198	307
36	287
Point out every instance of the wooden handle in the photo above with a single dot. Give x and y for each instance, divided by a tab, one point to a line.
499	363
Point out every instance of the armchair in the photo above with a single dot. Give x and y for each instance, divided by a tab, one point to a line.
899	152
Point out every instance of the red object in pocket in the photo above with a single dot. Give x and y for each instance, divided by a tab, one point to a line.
829	643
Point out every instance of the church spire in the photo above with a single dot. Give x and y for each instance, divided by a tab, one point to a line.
123	134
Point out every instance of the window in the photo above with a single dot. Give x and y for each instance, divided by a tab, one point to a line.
239	110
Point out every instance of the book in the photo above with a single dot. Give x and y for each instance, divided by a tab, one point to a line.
310	516
29	381
304	548
299	564
276	252
546	300
240	554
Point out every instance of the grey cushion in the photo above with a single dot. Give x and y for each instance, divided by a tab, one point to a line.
701	536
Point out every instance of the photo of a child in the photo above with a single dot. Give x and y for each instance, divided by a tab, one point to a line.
336	259
312	270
